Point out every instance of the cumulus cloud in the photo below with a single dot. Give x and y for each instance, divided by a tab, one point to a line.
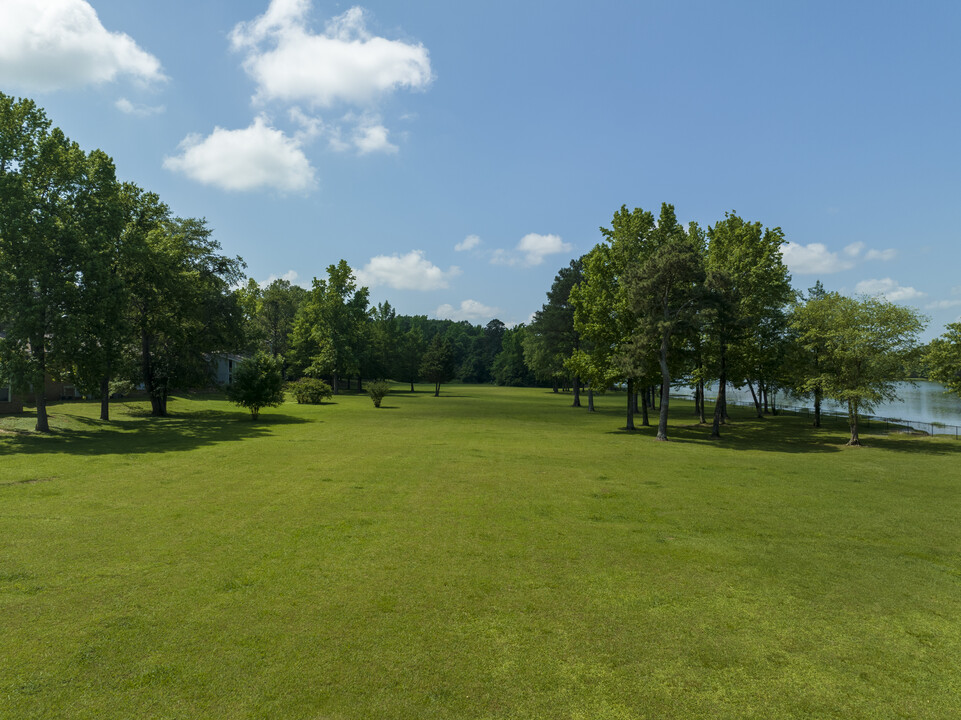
344	64
57	44
943	305
816	259
371	137
250	159
813	259
470	310
884	255
125	106
889	289
531	250
468	243
412	271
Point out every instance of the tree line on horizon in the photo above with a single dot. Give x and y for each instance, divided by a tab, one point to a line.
100	284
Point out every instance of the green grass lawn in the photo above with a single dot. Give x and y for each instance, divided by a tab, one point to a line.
492	553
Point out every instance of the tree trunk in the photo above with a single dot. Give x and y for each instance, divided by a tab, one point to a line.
334	384
43	422
757	404
762	387
360	383
590	399
556	388
665	389
412	386
720	403
577	392
105	398
437	389
700	390
817	408
630	404
773	403
645	420
853	422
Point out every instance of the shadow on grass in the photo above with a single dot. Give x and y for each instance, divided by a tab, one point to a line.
790	434
146	434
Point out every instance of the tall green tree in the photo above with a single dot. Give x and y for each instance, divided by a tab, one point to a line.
180	299
42	175
943	358
551	337
864	345
103	331
330	328
664	293
601	313
750	288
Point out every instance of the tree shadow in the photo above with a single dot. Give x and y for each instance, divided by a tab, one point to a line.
139	435
792	434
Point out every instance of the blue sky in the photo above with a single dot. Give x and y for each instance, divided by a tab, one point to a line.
457	155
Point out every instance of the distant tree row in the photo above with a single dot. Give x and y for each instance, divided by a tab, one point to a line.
331	331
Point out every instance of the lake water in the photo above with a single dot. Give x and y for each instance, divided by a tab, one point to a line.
923	401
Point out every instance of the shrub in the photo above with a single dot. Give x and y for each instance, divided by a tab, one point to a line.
310	391
258	382
378	390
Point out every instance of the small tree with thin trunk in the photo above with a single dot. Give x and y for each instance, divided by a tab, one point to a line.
438	363
258	382
865	343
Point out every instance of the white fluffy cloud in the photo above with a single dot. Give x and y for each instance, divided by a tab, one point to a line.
890	289
816	259
531	250
125	106
250	159
813	259
468	243
470	310
412	271
56	44
344	64
884	255
943	305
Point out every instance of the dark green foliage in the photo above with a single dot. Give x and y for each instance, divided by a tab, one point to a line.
310	391
378	390
437	365
943	357
257	383
509	366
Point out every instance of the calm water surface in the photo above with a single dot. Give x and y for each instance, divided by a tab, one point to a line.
922	402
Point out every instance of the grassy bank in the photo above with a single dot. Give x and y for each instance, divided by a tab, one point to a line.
491	553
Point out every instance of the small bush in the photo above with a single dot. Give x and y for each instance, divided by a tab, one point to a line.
310	391
378	390
257	383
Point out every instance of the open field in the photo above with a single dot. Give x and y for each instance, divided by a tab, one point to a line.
491	553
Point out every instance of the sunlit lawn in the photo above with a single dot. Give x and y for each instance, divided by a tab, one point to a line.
491	553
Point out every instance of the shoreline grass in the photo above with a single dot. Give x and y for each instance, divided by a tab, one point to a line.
491	553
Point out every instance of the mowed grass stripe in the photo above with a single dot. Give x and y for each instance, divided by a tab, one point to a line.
492	553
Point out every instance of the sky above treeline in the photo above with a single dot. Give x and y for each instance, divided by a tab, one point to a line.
457	155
